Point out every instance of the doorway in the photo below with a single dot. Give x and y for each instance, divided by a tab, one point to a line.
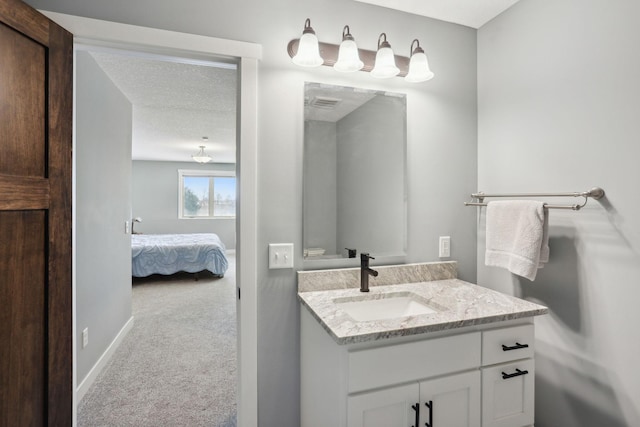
179	357
247	55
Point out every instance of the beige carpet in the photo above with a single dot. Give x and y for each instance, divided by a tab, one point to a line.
177	365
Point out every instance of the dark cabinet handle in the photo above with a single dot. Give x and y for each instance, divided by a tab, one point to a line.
517	373
429	405
416	408
518	346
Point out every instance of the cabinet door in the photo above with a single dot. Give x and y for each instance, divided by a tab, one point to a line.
389	407
507	394
451	401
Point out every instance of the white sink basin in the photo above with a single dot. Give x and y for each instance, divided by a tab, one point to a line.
385	306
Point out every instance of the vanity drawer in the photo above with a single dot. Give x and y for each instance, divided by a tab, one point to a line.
502	345
395	364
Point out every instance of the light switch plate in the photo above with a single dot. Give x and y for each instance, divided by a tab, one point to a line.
444	247
280	255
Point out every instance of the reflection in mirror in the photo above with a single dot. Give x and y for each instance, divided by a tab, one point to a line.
354	172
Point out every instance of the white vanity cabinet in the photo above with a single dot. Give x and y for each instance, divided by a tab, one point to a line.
508	376
452	401
454	398
445	379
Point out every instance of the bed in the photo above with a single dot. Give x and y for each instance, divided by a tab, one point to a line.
170	253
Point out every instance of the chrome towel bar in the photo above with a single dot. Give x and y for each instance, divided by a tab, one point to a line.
595	193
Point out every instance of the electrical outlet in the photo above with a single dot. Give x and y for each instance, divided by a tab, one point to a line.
126	227
280	255
85	337
444	247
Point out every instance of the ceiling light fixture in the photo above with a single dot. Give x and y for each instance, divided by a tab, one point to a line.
348	57
385	61
419	70
307	51
201	156
308	54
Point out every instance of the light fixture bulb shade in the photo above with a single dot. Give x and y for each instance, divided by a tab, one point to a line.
419	70
202	159
385	66
348	57
201	156
308	54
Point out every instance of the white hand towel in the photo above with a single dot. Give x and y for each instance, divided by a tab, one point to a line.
517	236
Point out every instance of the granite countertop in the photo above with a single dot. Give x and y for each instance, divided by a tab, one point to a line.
457	304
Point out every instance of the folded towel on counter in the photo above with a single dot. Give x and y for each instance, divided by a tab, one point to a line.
517	236
314	252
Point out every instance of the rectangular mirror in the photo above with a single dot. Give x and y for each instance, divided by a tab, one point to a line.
354	173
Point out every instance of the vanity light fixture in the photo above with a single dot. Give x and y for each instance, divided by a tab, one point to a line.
348	56
419	70
201	156
308	50
385	61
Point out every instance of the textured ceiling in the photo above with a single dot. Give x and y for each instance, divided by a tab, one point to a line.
471	13
175	105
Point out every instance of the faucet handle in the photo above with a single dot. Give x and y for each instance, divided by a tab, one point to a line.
365	256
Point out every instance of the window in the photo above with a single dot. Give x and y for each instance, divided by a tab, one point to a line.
207	194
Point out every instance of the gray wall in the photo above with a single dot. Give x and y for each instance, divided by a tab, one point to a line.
320	192
441	127
371	159
558	111
103	195
155	199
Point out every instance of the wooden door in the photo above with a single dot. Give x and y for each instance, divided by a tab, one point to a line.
36	60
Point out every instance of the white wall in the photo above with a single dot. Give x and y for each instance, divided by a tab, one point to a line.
103	204
559	111
155	189
441	131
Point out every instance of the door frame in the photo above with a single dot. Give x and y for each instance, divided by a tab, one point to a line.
94	32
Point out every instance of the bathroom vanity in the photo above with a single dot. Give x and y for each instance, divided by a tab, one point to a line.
430	350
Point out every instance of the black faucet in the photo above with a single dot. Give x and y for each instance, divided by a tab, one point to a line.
365	271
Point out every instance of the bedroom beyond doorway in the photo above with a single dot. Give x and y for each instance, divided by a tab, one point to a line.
177	365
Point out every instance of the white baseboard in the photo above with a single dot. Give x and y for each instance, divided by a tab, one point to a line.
102	362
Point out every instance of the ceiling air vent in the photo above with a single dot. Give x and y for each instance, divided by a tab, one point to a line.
324	102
